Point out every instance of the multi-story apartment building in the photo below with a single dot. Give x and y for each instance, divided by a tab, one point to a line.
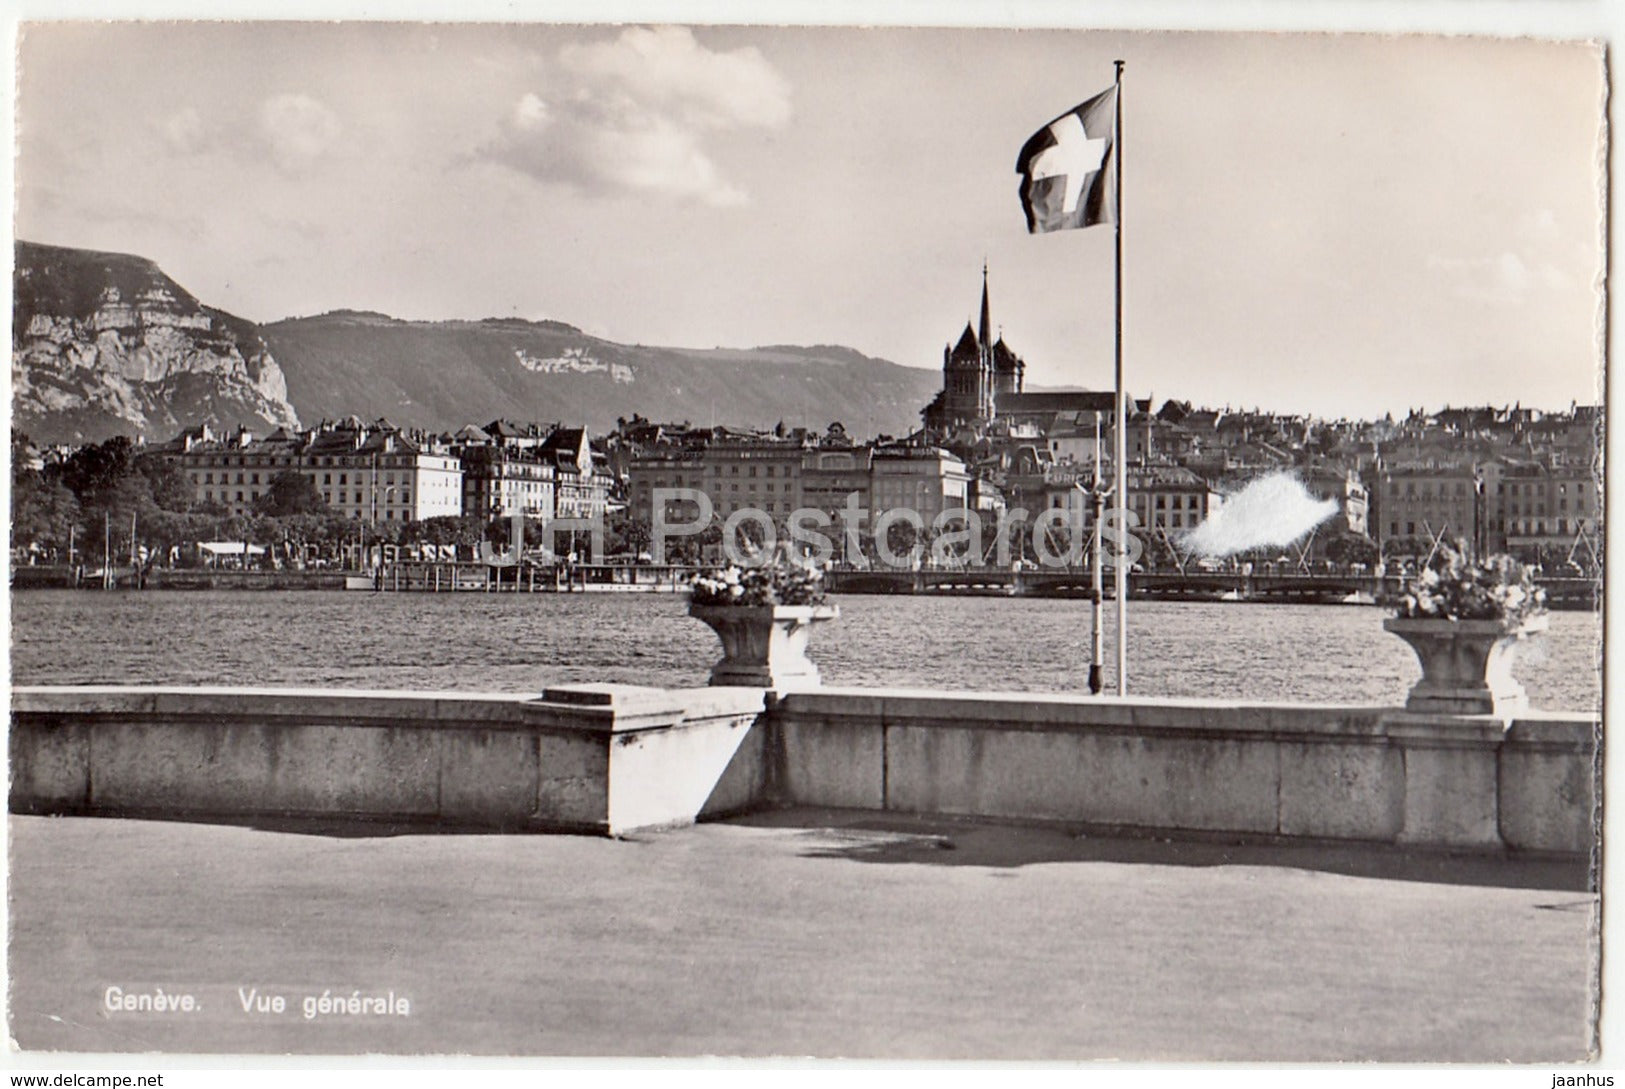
779	478
498	482
1073	436
373	472
735	474
389	477
762	475
1428	500
1344	487
535	471
1532	506
829	476
581	484
673	469
1169	499
926	480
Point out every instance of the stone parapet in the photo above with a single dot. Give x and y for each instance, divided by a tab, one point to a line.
1332	772
595	758
617	758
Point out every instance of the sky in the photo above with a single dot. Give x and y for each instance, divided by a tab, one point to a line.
1344	225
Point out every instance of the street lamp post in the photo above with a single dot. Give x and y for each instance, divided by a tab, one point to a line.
1097	503
372	520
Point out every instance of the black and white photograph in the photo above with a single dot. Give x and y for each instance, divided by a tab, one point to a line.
683	540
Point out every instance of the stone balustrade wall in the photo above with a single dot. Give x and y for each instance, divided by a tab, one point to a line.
1199	766
612	758
591	758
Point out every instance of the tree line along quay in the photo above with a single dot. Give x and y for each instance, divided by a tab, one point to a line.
348	493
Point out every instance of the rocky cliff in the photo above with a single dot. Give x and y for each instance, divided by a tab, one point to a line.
105	344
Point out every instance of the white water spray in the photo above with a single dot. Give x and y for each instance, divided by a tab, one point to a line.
1271	511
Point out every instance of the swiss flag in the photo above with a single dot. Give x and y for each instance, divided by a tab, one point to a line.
1065	168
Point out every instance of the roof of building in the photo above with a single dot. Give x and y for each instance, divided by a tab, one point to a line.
1142	477
1006	361
967	347
1050	402
1077	422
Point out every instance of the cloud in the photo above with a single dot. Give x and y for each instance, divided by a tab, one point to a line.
666	65
530	113
1542	221
634	114
184	131
1272	511
1504	278
126	213
297	130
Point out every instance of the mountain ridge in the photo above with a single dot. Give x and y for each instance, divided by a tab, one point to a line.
106	343
446	373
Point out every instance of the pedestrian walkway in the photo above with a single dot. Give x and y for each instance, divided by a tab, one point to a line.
805	932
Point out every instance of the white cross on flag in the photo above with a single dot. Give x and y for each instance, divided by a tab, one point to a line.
1066	176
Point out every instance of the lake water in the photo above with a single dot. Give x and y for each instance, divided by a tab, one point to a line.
524	642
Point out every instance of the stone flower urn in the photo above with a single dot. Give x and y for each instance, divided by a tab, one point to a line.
1466	664
764	646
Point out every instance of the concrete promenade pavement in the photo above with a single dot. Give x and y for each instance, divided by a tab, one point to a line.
804	932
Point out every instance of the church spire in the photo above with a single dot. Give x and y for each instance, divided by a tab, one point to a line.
984	330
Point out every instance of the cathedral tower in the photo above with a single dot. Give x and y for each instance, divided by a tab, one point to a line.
975	372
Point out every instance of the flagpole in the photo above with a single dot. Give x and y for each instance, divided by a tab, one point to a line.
1097	506
1120	568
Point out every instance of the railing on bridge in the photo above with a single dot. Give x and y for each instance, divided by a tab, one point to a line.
530	578
1348	587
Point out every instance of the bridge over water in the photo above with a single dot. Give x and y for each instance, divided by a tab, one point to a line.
1165	585
1281	587
1211	586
